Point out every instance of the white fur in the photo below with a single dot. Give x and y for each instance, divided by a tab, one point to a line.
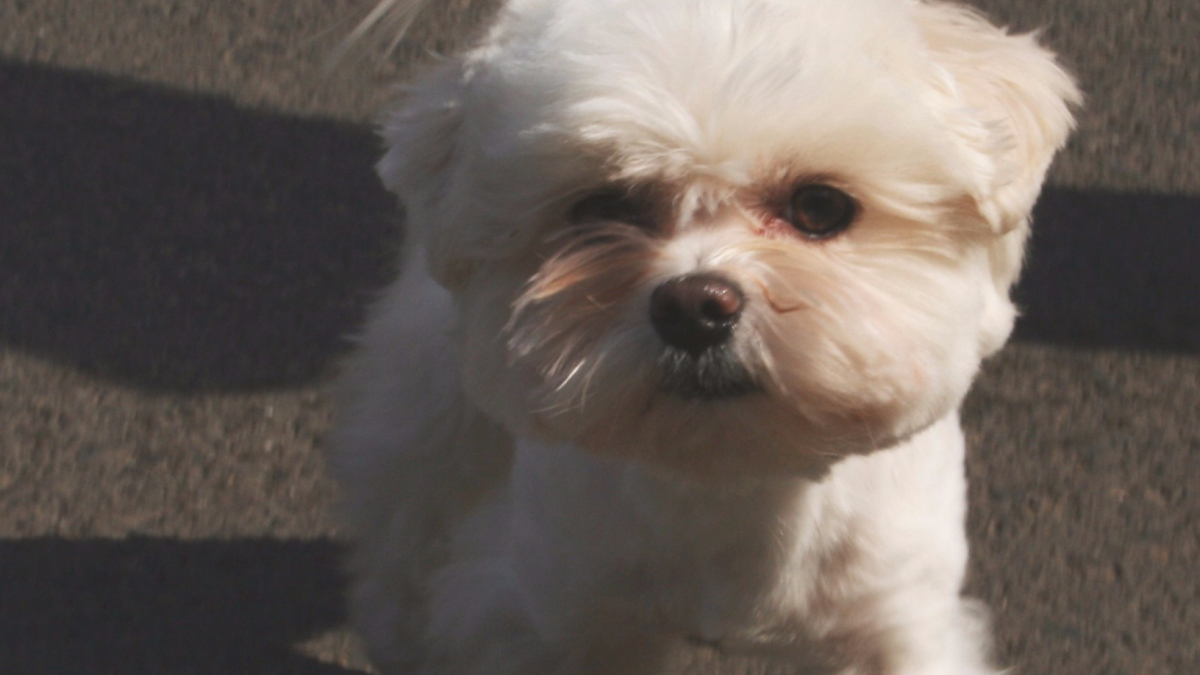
523	495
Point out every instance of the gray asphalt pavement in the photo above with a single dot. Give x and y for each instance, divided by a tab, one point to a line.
189	224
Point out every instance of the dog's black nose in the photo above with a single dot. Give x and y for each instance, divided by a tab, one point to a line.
696	312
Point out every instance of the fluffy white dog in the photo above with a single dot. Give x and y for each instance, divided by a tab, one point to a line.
692	293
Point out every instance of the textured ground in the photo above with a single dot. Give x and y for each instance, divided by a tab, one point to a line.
189	223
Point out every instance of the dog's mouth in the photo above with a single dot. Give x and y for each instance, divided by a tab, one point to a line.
713	375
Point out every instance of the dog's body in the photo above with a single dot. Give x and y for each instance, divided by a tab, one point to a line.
694	290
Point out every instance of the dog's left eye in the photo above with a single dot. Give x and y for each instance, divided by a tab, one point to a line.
820	211
612	206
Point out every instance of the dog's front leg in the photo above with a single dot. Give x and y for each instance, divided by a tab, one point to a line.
536	583
483	622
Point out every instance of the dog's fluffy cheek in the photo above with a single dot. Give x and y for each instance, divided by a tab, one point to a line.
874	365
519	371
490	381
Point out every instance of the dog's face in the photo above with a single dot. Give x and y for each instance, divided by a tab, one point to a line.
730	236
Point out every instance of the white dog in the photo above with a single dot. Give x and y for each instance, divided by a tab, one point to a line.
692	293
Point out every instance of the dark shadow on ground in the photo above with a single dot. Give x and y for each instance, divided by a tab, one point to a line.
143	606
179	242
1113	270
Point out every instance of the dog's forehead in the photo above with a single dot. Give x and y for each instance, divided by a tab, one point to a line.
725	89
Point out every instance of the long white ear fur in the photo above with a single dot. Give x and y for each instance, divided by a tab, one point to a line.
1016	110
1012	86
422	138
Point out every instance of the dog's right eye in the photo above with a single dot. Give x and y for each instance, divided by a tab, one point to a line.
819	211
611	206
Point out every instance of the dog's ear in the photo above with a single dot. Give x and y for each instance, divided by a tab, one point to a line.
1014	99
423	138
1009	103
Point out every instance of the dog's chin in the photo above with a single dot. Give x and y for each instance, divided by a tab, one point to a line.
714	375
703	418
712	416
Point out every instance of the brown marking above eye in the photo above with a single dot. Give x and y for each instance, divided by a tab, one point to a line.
614	205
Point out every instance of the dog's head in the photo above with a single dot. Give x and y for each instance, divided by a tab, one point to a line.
728	236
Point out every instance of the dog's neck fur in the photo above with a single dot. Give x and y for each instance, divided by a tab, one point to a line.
735	564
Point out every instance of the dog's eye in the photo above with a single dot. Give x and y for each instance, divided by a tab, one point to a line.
612	206
820	211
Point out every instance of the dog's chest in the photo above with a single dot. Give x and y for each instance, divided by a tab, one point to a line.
720	567
741	572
